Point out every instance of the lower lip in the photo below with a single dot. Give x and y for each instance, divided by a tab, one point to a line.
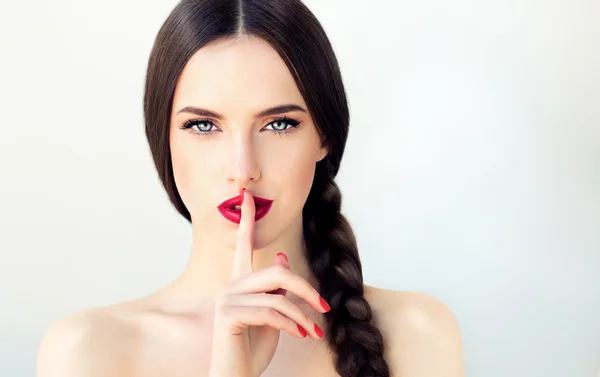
236	215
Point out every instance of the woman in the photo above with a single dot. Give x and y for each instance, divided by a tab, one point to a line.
247	119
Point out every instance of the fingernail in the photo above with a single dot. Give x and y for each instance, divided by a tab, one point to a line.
285	256
325	305
242	193
318	331
302	331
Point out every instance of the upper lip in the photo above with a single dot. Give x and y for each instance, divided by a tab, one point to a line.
237	201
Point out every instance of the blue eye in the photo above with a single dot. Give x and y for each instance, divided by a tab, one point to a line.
282	124
200	125
204	127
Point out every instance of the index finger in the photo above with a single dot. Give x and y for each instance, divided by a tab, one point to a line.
242	262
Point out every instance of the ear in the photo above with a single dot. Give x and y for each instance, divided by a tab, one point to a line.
322	153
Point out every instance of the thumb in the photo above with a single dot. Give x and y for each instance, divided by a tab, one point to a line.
281	259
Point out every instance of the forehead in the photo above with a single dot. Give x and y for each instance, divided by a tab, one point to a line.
242	75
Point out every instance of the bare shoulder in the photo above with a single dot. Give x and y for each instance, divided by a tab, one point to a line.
408	308
81	344
422	336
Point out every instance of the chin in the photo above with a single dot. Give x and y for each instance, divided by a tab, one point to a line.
263	238
266	232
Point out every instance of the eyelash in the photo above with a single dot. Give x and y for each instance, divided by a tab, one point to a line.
294	123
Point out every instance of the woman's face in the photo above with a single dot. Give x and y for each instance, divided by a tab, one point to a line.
220	154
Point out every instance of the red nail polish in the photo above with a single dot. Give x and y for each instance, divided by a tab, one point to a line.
285	256
302	331
318	331
325	305
242	193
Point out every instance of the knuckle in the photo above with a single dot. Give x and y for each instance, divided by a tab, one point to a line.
289	308
280	269
307	287
310	288
220	303
279	300
270	314
226	314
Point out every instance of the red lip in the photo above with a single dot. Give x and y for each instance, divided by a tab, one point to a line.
262	208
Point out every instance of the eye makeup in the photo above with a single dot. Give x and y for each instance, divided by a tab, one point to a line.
205	127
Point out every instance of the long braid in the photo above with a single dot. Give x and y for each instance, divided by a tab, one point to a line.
332	254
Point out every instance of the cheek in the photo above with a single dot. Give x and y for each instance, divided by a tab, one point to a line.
295	175
291	178
190	172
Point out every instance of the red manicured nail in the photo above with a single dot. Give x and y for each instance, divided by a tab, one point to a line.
242	193
302	331
318	331
285	256
325	305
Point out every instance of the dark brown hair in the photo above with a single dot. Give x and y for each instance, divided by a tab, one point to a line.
294	32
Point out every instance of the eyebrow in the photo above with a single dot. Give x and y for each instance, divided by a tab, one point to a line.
270	111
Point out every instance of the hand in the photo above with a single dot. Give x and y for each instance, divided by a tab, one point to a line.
253	308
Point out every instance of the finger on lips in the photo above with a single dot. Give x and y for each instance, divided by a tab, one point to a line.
242	264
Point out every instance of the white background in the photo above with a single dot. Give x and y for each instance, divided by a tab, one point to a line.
472	170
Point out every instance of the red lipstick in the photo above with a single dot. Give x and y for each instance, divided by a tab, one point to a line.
235	215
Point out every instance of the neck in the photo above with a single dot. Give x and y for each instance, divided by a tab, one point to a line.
209	268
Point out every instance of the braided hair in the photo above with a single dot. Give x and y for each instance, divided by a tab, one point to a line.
333	258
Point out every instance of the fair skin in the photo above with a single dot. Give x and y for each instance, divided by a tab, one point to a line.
170	331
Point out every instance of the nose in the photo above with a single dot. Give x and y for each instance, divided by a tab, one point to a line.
244	162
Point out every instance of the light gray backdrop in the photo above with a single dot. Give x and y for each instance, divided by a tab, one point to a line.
472	169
